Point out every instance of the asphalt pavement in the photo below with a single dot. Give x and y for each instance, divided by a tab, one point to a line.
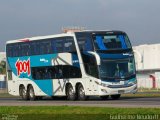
124	102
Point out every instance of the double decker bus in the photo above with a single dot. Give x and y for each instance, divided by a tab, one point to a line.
76	64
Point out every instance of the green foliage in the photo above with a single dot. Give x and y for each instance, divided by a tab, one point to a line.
2	67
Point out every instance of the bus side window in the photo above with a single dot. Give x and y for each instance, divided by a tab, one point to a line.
53	46
34	48
84	41
90	65
75	72
15	50
72	72
56	72
69	45
24	49
59	46
45	47
9	51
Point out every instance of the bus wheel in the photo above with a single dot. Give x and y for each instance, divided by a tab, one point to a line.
23	93
115	97
105	97
31	93
70	93
81	93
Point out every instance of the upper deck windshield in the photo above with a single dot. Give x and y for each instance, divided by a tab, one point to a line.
111	41
100	41
117	68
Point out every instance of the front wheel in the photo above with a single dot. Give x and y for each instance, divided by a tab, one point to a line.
31	93
115	97
81	93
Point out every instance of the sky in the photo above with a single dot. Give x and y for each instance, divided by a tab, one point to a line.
140	19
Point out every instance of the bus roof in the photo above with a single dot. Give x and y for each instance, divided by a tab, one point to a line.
39	37
69	33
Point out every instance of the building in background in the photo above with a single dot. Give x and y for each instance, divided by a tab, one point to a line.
147	59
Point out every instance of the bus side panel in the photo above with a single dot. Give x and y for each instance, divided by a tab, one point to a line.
13	86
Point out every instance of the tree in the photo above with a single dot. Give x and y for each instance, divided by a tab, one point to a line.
2	67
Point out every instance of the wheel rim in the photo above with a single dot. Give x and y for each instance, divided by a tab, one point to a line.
31	93
71	93
81	92
23	93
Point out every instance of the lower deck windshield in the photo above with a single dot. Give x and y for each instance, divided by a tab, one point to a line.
117	68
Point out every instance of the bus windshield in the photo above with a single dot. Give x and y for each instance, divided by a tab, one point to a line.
117	68
111	41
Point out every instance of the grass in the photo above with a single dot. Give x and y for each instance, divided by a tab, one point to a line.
71	113
76	113
142	94
6	95
149	89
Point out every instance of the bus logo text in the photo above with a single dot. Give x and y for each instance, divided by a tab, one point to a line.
23	67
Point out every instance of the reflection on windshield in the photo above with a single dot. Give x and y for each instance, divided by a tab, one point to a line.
111	42
117	68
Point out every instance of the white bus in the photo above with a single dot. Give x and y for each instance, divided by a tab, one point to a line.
73	64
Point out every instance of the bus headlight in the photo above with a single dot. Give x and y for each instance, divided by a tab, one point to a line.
103	90
132	83
102	84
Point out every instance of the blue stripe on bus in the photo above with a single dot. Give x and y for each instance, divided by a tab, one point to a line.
75	60
46	86
122	39
112	56
100	43
88	46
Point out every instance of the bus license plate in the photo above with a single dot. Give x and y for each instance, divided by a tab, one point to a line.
120	91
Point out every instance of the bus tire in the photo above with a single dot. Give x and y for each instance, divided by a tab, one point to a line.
23	93
105	97
70	93
31	93
116	97
81	93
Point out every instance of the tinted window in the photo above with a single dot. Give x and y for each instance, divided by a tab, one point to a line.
34	48
59	45
9	50
90	65
24	49
69	45
38	47
45	47
15	50
84	41
56	72
63	44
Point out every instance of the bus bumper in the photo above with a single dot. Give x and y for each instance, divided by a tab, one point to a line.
113	91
